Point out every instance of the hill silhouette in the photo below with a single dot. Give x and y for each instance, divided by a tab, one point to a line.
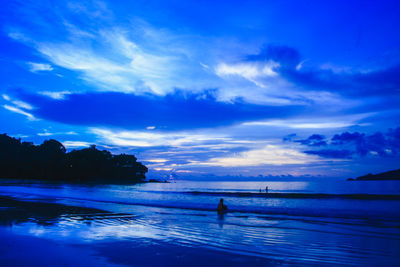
50	161
389	175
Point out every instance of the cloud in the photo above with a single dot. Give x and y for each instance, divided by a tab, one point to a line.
157	160
92	9
380	82
21	104
195	94
286	56
316	122
6	97
313	140
36	67
300	65
142	59
289	137
111	55
346	81
152	139
272	75
268	155
19	111
58	95
204	65
365	144
296	124
248	71
175	111
346	145
331	153
335	69
18	106
137	59
330	85
195	148
47	133
19	36
75	144
340	139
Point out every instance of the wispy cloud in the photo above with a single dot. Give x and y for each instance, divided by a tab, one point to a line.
21	104
124	64
322	122
47	133
92	9
6	97
37	67
19	107
249	71
152	139
58	95
20	111
76	144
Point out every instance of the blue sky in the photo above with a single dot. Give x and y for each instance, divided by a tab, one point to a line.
195	88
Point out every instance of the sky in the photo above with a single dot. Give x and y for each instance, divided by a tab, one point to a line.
199	89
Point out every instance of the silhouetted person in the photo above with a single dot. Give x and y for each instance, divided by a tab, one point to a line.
266	189
221	207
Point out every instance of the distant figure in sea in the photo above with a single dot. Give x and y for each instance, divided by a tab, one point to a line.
266	189
221	207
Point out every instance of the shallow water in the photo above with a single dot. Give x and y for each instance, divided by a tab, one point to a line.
311	222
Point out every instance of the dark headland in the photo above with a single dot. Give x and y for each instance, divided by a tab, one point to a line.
389	175
50	161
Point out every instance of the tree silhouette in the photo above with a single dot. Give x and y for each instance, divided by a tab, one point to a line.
50	161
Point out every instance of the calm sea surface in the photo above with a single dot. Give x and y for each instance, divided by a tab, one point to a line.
313	222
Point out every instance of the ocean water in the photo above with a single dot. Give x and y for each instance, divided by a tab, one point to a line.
320	222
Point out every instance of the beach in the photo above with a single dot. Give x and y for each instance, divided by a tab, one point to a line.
174	224
20	249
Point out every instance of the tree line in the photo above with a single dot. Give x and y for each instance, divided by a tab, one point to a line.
51	161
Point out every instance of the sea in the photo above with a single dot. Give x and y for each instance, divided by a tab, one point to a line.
311	222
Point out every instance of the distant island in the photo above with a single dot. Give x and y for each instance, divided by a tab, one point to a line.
389	175
50	161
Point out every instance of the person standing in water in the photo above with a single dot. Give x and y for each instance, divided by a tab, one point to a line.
221	207
266	189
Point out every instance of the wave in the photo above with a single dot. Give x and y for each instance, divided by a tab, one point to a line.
244	208
286	195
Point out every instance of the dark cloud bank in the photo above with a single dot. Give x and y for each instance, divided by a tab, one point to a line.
176	111
382	82
348	145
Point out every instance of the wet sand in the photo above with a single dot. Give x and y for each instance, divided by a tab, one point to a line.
29	250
